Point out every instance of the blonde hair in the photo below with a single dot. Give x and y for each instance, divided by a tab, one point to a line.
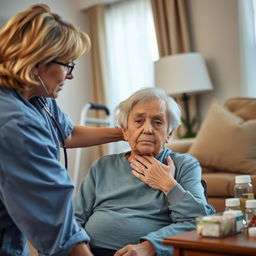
34	36
173	108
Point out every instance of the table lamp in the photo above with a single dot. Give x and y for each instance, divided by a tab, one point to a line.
183	74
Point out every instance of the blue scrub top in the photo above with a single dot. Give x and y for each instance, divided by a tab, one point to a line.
35	188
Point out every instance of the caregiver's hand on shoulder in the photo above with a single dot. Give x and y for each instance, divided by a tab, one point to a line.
142	249
154	173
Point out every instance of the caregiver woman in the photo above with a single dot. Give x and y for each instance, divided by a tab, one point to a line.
37	53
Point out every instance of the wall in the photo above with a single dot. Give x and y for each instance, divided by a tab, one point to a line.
214	32
76	92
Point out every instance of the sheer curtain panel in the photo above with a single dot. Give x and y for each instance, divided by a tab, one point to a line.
131	51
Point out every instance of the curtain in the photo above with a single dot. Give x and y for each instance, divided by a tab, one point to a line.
98	61
132	49
123	52
171	26
173	37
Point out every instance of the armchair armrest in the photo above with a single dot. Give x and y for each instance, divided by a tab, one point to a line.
180	145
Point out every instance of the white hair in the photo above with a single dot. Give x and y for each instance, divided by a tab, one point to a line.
173	109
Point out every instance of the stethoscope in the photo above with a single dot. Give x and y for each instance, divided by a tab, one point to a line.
44	105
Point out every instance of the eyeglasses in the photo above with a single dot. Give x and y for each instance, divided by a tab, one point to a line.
70	66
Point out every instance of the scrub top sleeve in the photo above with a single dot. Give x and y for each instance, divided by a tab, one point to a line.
36	189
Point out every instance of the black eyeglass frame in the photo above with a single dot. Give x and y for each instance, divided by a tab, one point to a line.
69	66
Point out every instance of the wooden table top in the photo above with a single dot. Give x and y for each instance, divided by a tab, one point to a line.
233	243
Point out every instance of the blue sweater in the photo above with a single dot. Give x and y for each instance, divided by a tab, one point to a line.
117	209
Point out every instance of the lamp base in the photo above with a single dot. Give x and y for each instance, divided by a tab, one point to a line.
187	122
188	134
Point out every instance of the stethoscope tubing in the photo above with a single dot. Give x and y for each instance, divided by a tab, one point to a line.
44	105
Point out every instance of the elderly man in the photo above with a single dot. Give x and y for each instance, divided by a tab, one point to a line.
129	202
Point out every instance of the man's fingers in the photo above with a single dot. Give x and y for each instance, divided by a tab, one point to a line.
138	175
145	160
120	252
138	167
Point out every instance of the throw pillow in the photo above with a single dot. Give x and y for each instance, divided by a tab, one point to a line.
226	142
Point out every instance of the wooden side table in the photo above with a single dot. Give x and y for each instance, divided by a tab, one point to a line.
190	244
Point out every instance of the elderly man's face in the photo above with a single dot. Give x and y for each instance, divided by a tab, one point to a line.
147	127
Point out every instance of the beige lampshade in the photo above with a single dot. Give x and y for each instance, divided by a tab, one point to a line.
182	73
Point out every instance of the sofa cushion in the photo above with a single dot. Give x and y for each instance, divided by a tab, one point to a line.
226	142
181	146
243	107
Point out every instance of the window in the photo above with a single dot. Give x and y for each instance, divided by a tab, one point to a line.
247	17
131	47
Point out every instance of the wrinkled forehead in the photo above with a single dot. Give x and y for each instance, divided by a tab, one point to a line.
150	107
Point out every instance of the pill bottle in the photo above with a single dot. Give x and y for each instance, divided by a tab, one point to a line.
250	213
243	189
238	216
232	204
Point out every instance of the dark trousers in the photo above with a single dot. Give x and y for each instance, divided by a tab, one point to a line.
102	252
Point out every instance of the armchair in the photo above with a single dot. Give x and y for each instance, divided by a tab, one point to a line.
225	147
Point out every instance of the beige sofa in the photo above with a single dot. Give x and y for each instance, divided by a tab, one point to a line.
225	147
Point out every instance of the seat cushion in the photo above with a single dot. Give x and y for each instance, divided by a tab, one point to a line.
221	184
